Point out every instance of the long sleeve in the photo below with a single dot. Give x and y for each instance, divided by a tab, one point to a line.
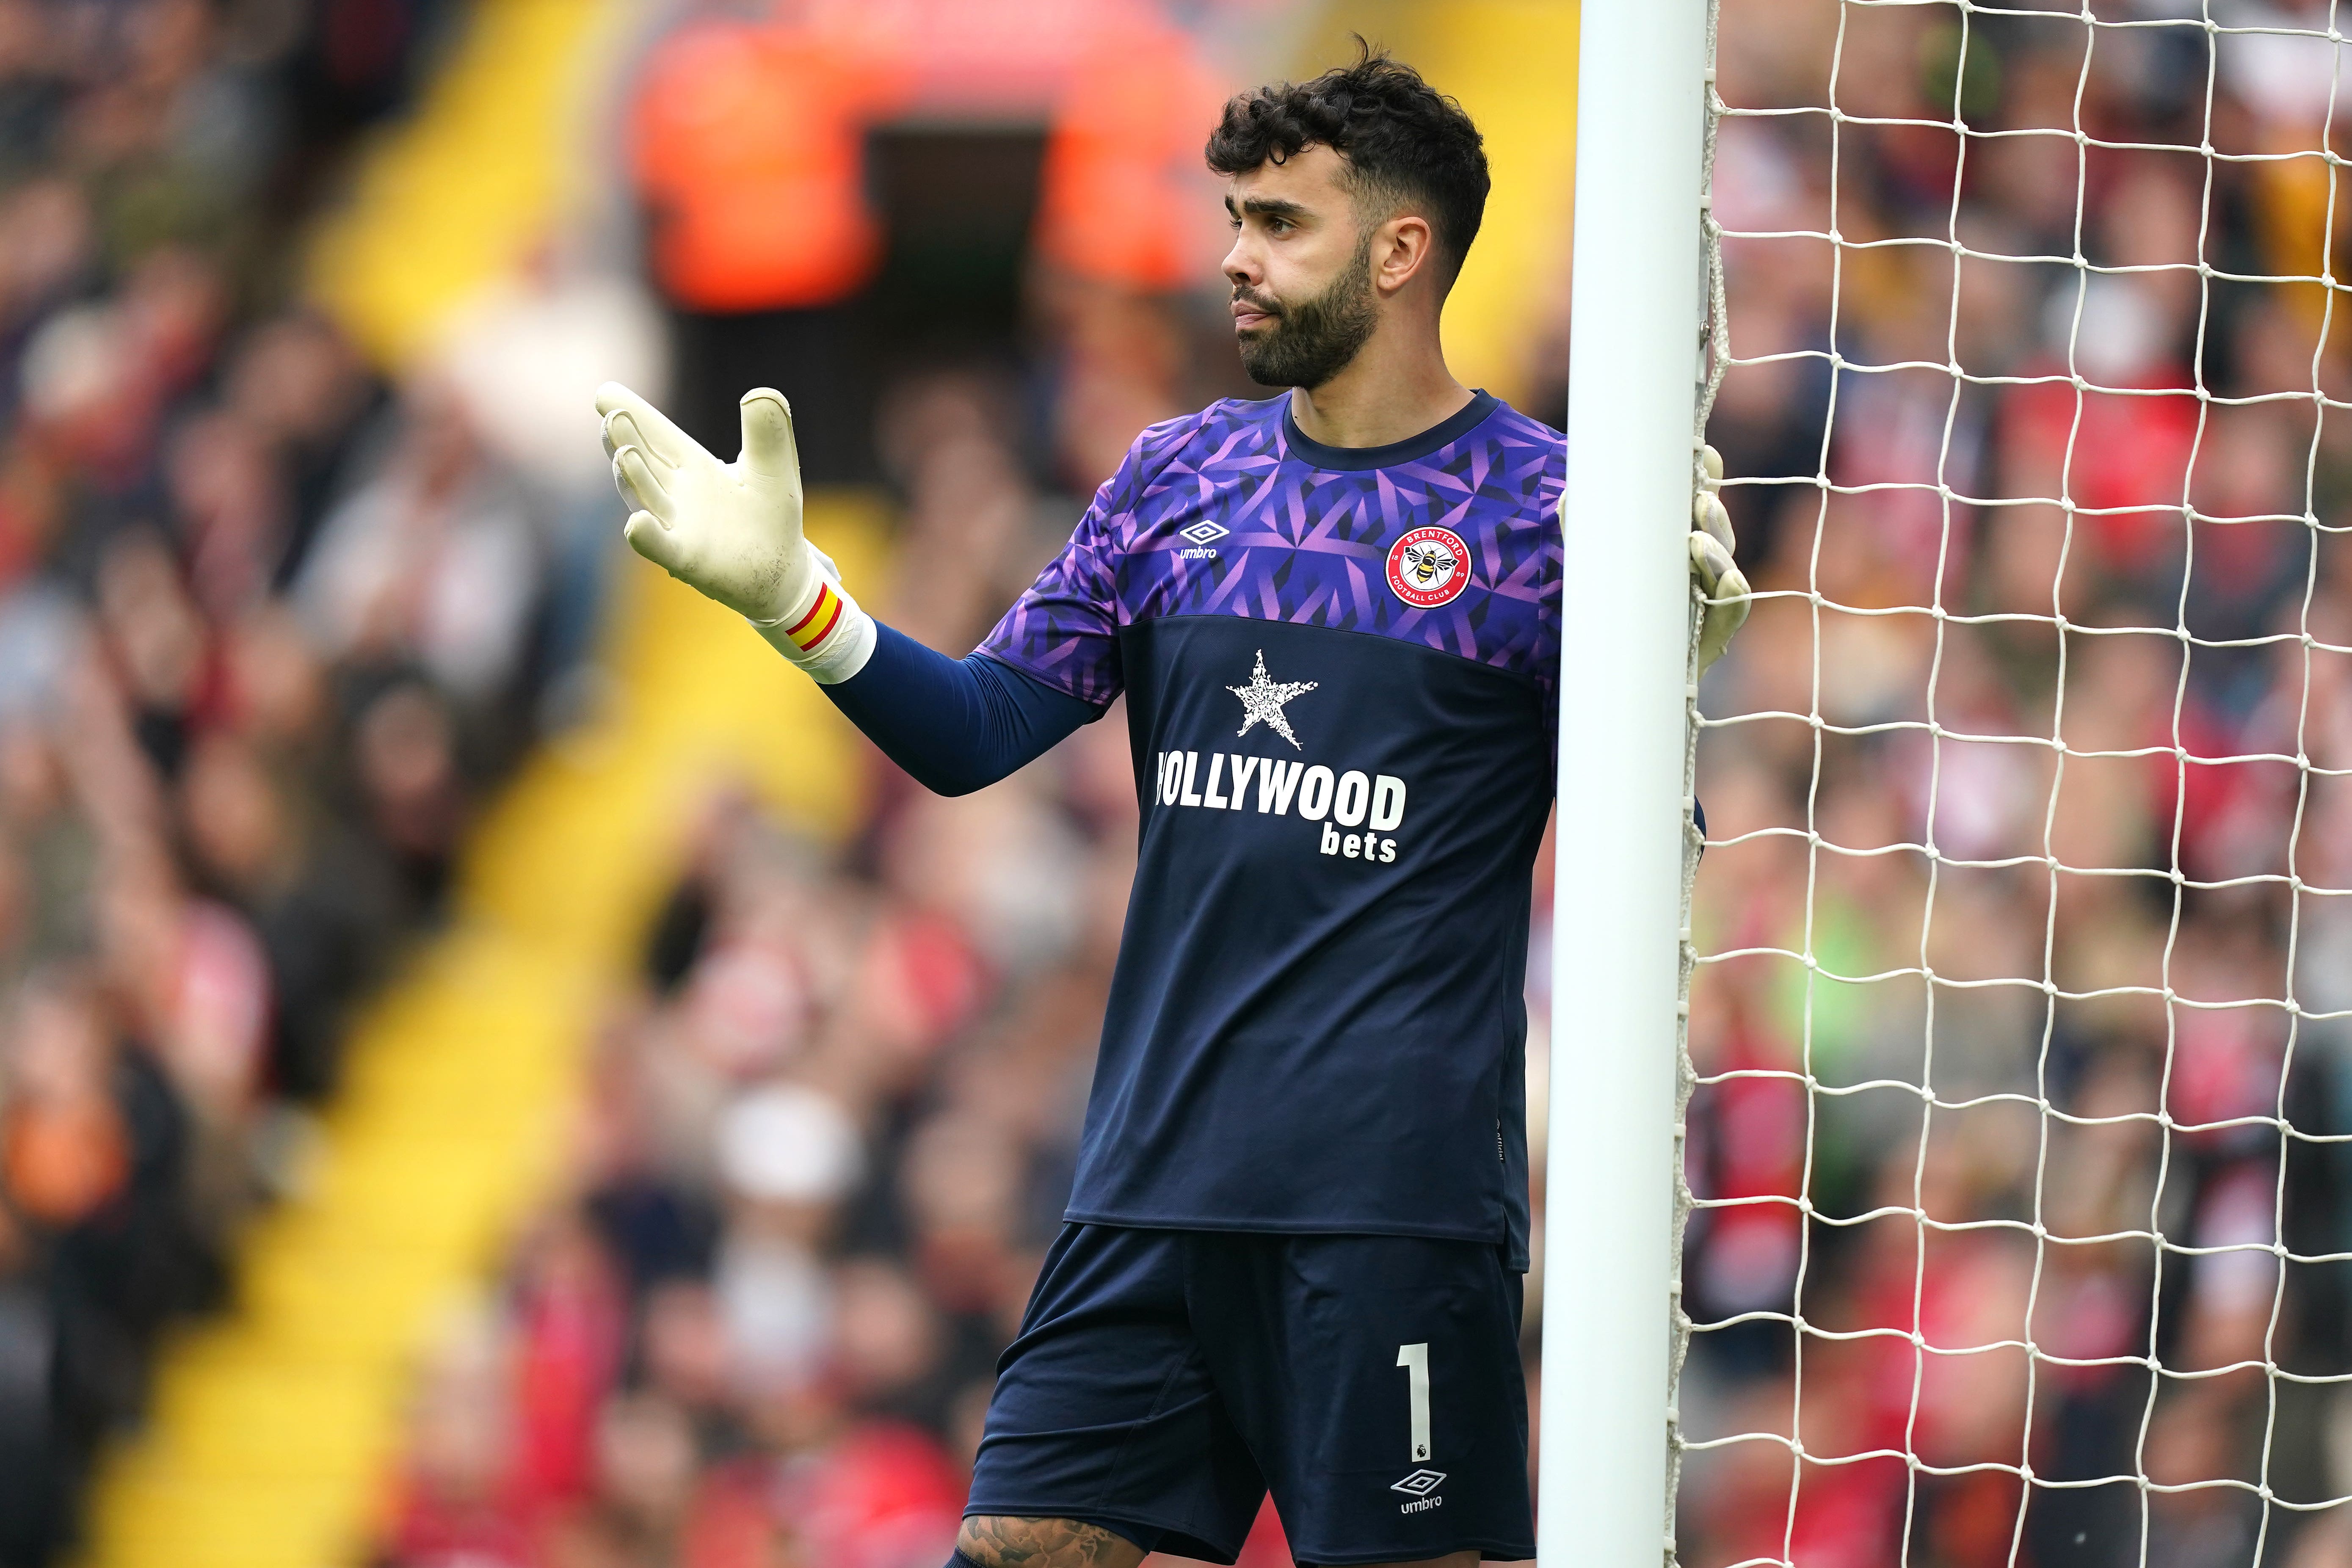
955	725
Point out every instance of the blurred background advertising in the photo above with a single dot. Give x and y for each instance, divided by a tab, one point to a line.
434	1128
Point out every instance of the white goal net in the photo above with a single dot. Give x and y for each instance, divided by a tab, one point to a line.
2017	1223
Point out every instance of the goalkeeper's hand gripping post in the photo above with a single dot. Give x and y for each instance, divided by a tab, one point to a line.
732	531
1719	580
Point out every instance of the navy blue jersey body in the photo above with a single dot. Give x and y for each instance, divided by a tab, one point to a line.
1339	667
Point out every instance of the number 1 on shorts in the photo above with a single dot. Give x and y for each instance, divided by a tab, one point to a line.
1414	1358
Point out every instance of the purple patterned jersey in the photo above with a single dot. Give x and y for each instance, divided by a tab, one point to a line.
1231	511
1341	669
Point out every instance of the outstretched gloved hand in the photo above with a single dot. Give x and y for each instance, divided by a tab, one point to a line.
1711	545
732	531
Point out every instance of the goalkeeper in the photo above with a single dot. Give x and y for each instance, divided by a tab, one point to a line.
1294	1249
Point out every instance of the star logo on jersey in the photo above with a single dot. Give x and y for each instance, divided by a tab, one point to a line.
1429	567
1262	702
1204	531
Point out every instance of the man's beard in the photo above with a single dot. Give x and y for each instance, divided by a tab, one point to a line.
1315	340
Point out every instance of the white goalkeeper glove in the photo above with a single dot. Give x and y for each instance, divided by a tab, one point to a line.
732	531
1711	543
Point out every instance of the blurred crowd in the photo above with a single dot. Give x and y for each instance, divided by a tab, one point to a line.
2034	1074
268	626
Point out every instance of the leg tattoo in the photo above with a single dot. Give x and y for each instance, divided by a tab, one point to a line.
1006	1542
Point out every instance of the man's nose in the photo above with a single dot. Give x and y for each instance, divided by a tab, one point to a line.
1240	267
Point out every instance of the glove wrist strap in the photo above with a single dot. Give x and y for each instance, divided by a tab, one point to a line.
825	633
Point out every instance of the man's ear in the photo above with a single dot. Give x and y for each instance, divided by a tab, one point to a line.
1403	249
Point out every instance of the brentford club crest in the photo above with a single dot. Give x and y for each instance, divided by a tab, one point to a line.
1429	567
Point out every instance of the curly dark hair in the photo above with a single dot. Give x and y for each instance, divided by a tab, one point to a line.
1404	142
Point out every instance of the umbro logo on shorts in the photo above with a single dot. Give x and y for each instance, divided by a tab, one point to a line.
1420	1485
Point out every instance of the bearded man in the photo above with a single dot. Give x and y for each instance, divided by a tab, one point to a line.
1294	1250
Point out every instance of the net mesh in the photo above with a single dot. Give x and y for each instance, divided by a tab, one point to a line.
2017	1078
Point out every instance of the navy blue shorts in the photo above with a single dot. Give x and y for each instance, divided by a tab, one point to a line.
1165	1380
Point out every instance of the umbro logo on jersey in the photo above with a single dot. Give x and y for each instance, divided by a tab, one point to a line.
1419	1485
1429	567
1205	535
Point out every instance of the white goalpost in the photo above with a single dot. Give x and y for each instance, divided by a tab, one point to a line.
1625	603
1962	1165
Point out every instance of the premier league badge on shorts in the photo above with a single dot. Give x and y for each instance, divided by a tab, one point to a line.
1429	567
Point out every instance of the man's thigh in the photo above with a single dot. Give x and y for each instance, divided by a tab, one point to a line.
1377	1382
1103	1414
